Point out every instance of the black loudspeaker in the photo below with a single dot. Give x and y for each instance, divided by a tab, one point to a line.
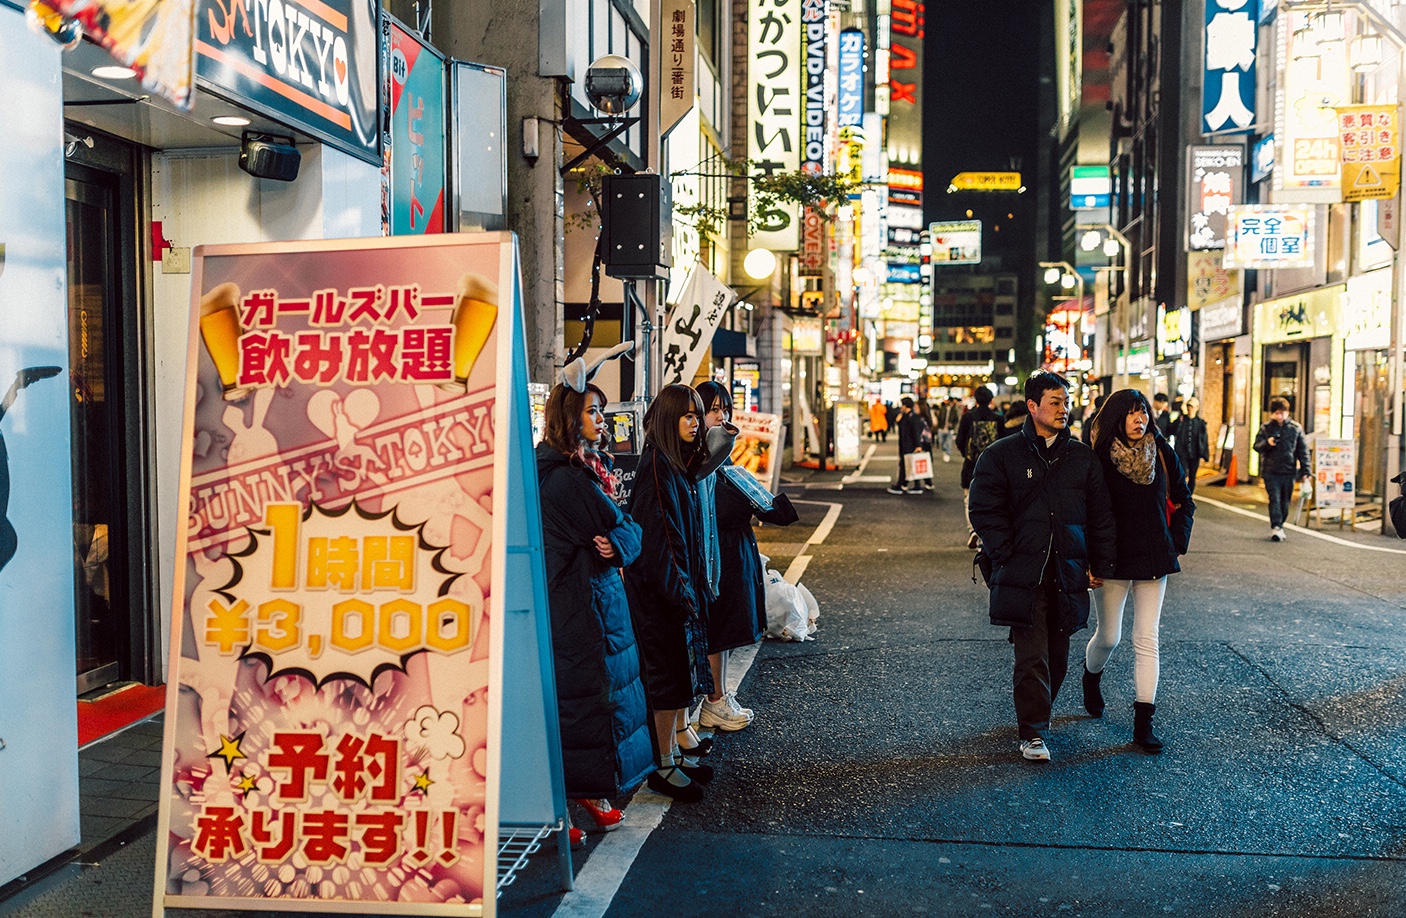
269	156
637	225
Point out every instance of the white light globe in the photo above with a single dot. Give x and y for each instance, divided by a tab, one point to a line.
1052	275
759	264
1067	281
1110	247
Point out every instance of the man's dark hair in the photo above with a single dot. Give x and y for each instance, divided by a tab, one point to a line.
1160	398
1041	382
1278	404
984	396
907	402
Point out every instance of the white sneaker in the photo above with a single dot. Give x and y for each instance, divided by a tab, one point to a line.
1277	534
725	714
1035	750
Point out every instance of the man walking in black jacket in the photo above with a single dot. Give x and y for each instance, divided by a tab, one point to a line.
910	430
978	429
1192	445
1041	509
1283	458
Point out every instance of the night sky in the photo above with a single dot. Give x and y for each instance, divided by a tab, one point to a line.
981	61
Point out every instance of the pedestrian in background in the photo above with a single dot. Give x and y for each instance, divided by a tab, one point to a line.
1086	431
926	430
1014	419
737	618
668	586
1041	509
1153	510
1283	459
878	421
910	428
979	428
1191	442
949	415
1161	414
587	540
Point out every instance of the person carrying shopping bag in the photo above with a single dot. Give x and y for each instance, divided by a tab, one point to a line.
1152	511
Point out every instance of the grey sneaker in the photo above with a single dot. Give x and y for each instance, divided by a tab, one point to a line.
1035	750
1276	534
973	542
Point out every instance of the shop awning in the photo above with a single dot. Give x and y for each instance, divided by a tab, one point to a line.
734	344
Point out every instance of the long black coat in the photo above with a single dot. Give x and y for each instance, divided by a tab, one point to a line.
605	742
1147	545
1069	518
668	584
738	617
1193	445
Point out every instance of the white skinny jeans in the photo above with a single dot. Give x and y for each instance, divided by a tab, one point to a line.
1147	618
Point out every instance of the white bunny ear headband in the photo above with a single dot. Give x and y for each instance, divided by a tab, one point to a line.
577	373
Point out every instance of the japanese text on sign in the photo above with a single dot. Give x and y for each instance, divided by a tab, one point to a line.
851	89
774	112
1217	174
1371	151
1269	236
1228	87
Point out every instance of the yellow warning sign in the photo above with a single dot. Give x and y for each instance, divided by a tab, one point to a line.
1371	151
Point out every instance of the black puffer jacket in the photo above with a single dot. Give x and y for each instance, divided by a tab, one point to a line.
1148	546
1023	521
605	742
1288	455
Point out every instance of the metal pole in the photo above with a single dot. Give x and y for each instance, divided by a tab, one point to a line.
1394	371
654	158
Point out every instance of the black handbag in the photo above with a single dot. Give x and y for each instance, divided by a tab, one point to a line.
1397	507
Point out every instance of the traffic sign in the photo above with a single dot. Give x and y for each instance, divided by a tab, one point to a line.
986	181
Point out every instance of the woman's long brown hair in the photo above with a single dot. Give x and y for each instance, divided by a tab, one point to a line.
564	409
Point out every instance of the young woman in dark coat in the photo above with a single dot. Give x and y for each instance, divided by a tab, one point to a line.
600	699
668	584
1153	511
737	617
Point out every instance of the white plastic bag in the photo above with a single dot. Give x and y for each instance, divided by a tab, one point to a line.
787	616
812	610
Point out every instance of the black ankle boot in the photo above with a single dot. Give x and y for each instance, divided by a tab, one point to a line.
1142	727
1093	694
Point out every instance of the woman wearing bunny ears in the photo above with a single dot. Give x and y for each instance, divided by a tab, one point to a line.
605	741
668	583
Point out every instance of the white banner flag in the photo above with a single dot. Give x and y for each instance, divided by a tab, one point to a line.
692	320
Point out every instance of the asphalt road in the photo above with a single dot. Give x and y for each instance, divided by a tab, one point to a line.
881	776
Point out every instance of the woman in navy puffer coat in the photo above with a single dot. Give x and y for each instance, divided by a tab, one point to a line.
605	742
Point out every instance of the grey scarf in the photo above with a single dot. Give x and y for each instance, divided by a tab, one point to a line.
1136	461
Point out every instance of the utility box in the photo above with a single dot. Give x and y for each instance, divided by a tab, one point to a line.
637	224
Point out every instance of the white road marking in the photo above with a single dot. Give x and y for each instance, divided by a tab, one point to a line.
1311	532
600	877
863	464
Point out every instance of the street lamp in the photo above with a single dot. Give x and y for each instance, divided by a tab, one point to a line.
1111	245
1063	273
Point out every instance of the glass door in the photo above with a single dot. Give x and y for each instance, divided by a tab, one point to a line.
95	414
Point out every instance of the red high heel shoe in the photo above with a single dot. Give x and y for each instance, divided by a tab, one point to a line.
577	837
606	820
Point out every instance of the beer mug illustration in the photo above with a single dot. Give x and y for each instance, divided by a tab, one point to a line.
220	330
475	312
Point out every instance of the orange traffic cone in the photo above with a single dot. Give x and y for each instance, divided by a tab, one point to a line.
1232	477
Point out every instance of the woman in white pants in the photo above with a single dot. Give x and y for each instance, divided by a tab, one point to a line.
1153	510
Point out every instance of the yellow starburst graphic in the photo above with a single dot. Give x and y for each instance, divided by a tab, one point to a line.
422	783
229	750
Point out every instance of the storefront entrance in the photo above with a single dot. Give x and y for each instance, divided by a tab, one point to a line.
1368	371
105	400
1284	378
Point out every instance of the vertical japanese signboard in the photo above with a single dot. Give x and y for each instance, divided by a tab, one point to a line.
312	66
1269	236
688	331
774	100
1215	179
908	26
1371	151
1228	78
353	419
415	146
676	80
815	20
1314	79
851	85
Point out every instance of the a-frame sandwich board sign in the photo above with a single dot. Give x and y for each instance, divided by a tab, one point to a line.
337	706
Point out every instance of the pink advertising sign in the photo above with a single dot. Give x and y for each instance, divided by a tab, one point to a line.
333	706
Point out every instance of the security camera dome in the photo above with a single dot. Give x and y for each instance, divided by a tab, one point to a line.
613	84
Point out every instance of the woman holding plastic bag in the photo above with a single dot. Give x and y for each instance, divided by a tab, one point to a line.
668	584
737	618
600	699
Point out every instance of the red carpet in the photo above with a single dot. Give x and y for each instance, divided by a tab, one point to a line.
123	707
